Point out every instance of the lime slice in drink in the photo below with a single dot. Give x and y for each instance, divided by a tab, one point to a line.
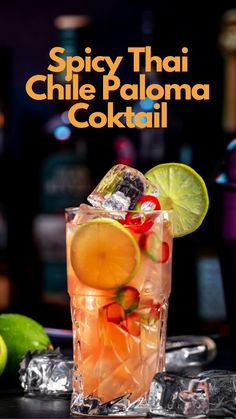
104	255
184	191
3	355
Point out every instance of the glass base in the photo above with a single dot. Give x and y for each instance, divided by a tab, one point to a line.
120	406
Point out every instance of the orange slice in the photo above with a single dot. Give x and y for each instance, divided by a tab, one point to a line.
104	255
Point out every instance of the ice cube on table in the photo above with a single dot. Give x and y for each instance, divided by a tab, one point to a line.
121	188
210	393
173	395
222	392
46	373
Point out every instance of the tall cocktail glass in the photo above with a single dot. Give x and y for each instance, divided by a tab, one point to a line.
119	326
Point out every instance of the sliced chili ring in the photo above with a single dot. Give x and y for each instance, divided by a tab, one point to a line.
152	247
135	221
163	253
153	202
139	223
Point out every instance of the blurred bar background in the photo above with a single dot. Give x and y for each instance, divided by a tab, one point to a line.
46	165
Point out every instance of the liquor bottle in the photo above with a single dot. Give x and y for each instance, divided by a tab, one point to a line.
65	180
227	42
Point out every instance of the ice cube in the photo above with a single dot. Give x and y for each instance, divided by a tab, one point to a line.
172	395
222	392
82	215
121	188
211	393
93	406
46	373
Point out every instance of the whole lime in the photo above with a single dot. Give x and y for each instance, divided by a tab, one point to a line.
3	355
21	334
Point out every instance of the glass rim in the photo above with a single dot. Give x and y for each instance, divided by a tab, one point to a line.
75	210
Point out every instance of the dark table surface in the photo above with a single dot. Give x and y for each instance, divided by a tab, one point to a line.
14	404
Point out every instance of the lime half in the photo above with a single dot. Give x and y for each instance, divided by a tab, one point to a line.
21	334
184	191
3	355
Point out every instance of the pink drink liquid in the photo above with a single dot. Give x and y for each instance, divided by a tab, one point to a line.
114	355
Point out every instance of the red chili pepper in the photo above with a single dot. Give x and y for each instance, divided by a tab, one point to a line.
163	253
141	223
155	249
148	198
137	224
156	311
121	221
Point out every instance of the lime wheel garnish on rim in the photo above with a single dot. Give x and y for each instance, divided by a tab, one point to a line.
182	190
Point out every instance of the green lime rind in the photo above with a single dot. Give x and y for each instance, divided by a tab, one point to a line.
182	190
3	355
21	334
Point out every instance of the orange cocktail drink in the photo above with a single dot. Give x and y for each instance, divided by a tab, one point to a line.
119	281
